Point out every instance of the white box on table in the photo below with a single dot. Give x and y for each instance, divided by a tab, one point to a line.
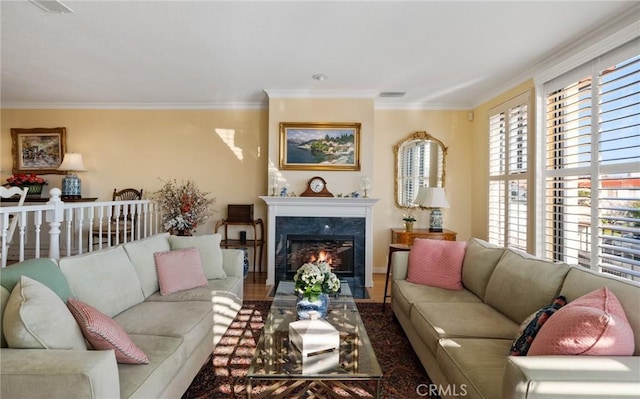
313	336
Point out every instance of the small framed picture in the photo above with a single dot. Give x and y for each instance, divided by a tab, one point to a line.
39	150
319	146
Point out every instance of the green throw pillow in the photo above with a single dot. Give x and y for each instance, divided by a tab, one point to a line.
43	270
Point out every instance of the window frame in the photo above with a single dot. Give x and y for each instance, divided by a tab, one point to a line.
600	57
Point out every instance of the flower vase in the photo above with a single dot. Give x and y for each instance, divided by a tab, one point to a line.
408	226
305	305
184	233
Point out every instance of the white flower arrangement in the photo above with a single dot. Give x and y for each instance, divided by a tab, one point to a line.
313	279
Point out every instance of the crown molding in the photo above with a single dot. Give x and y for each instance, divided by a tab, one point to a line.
618	31
310	93
385	106
141	106
574	60
219	106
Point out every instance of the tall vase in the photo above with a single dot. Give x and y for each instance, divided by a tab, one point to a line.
183	233
304	306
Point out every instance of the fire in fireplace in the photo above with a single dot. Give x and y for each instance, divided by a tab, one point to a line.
336	250
342	238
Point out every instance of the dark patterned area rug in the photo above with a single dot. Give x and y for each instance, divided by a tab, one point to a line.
224	375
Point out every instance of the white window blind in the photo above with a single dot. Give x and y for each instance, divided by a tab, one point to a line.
508	173
592	166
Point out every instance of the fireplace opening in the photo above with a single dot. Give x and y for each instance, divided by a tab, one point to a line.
336	250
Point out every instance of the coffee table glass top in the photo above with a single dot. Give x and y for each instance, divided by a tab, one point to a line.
277	358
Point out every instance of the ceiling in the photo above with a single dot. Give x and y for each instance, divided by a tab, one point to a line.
199	54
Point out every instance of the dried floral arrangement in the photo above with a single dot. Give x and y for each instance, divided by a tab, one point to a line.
184	206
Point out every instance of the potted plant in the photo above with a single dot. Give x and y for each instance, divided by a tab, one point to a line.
183	206
409	220
33	182
313	284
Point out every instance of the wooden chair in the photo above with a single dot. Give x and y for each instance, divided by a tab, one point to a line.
122	220
6	241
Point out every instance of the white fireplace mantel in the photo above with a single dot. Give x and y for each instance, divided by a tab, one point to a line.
319	207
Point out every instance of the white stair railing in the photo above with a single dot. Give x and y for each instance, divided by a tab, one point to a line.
58	229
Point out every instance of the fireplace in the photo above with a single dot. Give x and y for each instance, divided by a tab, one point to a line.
336	250
323	219
302	239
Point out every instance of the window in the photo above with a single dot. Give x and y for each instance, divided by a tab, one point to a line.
592	165
508	173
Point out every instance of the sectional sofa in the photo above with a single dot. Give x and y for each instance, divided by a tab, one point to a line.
463	337
176	331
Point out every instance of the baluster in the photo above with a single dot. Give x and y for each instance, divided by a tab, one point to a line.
116	218
90	229
100	225
125	221
78	225
5	229
68	229
37	221
109	219
23	224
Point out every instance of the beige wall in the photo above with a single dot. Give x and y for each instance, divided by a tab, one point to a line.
322	110
229	153
480	144
452	128
381	129
223	151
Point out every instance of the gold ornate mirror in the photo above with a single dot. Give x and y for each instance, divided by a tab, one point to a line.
419	161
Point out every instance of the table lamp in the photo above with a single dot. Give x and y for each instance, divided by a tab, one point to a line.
434	199
71	185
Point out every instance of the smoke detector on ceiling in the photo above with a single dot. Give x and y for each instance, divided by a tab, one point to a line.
392	94
52	6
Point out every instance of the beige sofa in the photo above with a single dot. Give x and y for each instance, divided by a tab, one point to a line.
463	337
177	332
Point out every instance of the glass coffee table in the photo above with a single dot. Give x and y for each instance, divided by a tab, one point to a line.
350	370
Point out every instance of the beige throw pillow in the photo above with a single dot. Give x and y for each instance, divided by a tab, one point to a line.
210	252
36	318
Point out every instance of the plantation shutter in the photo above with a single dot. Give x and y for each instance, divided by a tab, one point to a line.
508	173
592	166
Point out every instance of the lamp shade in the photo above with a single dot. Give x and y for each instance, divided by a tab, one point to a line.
72	162
432	197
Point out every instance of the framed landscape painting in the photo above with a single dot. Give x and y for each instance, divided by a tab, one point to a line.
319	146
39	150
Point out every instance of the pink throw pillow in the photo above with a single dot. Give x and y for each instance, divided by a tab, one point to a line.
104	333
594	324
179	270
437	263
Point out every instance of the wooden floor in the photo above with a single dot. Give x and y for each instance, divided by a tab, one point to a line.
255	288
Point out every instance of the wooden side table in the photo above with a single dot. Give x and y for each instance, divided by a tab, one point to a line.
401	236
256	242
401	240
392	248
